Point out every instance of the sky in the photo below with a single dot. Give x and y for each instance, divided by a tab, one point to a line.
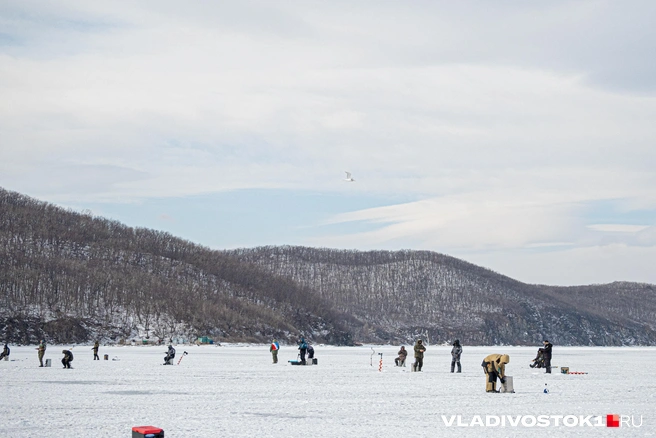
515	135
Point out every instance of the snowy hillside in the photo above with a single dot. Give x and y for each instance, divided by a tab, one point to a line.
71	277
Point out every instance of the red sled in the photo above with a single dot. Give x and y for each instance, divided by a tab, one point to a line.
147	432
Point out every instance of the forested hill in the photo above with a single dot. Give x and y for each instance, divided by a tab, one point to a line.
405	294
70	277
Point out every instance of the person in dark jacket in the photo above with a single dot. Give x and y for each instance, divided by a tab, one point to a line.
68	358
400	360
170	354
420	348
302	347
95	348
546	354
5	352
538	362
456	351
310	351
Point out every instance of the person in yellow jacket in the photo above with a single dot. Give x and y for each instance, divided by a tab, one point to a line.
494	366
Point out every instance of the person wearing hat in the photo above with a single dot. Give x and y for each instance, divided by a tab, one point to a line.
420	348
67	359
494	366
546	355
456	351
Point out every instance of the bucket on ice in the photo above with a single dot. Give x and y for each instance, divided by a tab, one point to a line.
48	362
107	357
508	386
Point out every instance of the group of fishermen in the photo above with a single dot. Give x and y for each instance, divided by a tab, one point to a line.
420	349
41	351
304	348
494	365
68	354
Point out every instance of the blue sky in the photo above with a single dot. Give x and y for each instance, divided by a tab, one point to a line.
515	135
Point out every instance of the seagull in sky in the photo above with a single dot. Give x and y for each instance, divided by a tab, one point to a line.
348	176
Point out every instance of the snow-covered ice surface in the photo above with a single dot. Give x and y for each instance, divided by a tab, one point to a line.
235	391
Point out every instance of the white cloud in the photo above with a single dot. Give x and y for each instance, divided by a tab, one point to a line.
618	228
504	123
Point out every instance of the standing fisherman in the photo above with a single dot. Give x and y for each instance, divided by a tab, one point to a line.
96	345
419	355
302	346
274	350
42	351
456	351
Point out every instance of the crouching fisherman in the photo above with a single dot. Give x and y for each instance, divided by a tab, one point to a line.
67	359
5	353
494	366
168	359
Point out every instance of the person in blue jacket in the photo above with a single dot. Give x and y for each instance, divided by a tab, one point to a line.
302	346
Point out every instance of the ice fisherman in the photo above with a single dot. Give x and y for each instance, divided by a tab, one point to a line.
302	347
456	351
95	348
5	352
42	351
494	365
274	350
546	354
170	354
67	359
310	351
538	362
402	355
420	348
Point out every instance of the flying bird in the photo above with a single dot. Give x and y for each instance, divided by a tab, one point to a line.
348	176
